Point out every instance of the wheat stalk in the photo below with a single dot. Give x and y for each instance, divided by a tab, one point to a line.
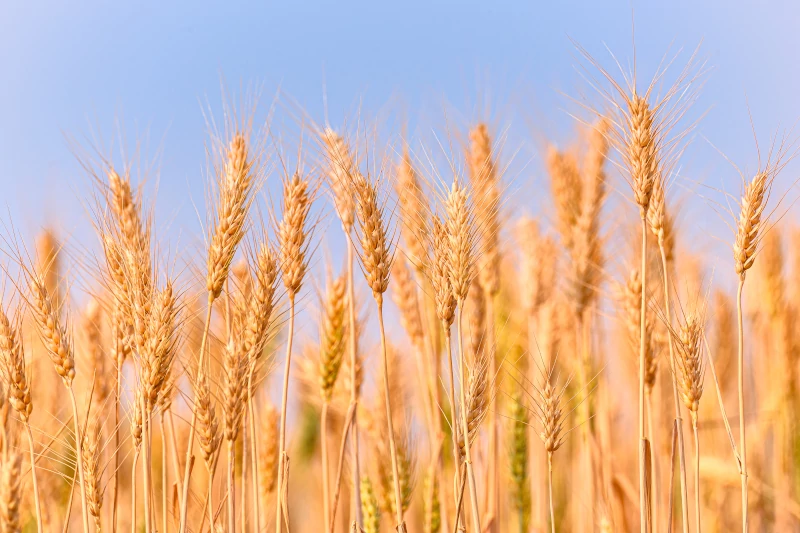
293	244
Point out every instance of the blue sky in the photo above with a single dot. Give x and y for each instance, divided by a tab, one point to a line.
77	69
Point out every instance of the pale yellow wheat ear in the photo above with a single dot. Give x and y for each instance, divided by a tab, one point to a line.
236	185
157	354
12	367
439	272
483	174
208	431
49	264
538	264
52	331
404	294
690	365
462	240
646	125
479	393
413	210
91	456
260	306
333	335
293	232
340	167
10	490
376	250
629	295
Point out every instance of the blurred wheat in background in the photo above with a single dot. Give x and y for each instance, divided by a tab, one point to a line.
443	363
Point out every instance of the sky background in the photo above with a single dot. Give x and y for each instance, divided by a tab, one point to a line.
146	71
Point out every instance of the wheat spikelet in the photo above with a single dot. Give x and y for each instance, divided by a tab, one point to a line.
478	399
440	275
333	337
49	267
97	359
537	265
404	294
91	451
413	211
630	296
484	179
369	505
549	411
690	364
10	491
160	345
234	386
723	344
660	221
340	169
376	256
477	319
53	333
235	194
260	307
642	147
268	452
565	185
208	435
292	233
771	283
461	241
12	364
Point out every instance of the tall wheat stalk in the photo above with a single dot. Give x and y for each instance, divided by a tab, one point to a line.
293	247
376	259
461	241
341	168
748	236
661	226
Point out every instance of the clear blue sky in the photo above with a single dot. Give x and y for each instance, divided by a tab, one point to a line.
71	67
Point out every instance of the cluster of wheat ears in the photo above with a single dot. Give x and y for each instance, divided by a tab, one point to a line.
164	416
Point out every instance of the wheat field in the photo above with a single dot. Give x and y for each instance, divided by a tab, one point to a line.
384	343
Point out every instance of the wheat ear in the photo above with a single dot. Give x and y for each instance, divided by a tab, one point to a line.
12	365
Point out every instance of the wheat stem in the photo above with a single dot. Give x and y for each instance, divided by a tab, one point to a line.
146	466
550	491
696	471
742	424
245	451
33	478
323	435
643	502
349	418
398	496
231	482
473	489
164	481
256	508
193	426
133	491
282	458
78	454
351	323
115	497
678	417
453	424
